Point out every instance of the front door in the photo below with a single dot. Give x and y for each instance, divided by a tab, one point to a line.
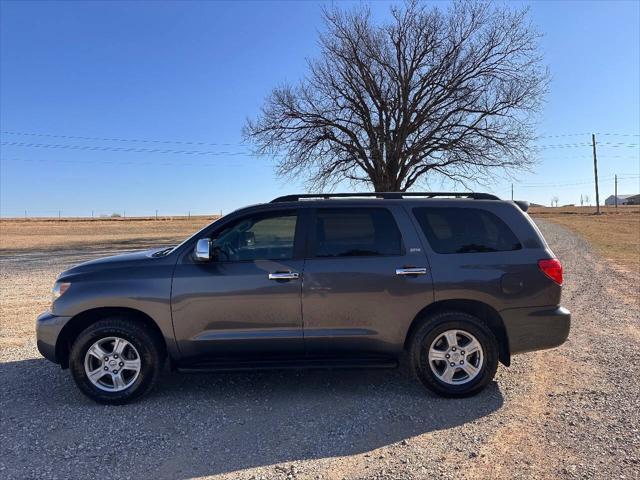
364	281
247	299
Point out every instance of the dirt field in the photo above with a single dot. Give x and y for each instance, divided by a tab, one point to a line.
615	233
571	412
32	243
20	235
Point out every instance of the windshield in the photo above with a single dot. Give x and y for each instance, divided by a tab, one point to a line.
169	250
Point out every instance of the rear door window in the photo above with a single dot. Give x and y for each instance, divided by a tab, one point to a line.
352	232
465	230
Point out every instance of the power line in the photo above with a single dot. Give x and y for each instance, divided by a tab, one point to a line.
582	182
552	185
577	145
618	144
565	135
131	140
559	185
564	145
189	163
620	134
605	156
129	149
111	162
230	153
217	144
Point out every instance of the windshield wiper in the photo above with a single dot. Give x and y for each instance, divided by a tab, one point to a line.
164	252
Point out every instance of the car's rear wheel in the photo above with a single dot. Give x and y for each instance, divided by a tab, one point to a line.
116	360
454	354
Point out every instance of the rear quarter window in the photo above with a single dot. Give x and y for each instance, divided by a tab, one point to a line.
465	230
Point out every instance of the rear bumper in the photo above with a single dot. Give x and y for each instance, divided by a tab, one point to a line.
530	329
48	328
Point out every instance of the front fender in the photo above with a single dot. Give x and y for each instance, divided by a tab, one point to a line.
143	289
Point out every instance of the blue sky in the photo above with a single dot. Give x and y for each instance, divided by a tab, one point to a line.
171	72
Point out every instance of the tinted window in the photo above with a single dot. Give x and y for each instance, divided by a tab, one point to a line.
465	230
260	237
348	232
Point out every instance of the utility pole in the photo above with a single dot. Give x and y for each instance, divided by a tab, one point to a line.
595	172
156	214
616	191
512	192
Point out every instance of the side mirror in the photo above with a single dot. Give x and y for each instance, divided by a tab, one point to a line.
203	250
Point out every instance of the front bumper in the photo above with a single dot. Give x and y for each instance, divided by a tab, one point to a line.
48	328
530	329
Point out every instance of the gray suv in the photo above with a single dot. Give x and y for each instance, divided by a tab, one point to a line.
454	281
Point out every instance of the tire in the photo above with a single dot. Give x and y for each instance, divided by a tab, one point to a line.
430	344
116	378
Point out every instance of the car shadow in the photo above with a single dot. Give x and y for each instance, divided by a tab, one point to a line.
206	424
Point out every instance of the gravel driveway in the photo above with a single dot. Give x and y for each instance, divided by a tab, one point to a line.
572	412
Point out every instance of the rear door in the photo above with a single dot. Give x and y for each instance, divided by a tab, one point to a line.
365	279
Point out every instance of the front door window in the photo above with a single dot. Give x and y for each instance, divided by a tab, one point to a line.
259	237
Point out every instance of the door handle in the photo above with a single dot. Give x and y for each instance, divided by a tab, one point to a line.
411	271
284	276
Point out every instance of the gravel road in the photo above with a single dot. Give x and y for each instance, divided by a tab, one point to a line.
572	412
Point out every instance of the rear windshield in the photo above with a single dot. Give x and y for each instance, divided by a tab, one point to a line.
465	230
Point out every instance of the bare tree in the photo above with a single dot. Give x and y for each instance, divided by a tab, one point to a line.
554	201
447	93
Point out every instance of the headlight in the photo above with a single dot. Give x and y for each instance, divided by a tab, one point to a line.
59	288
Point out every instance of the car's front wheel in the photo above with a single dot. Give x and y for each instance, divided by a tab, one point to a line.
454	354
116	360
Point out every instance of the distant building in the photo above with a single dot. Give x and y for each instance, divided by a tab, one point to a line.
623	200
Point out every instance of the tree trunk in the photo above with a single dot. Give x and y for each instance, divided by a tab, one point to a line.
386	185
387	179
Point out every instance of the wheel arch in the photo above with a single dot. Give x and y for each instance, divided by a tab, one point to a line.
78	323
476	308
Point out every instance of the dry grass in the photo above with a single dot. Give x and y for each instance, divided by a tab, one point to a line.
615	233
25	283
19	235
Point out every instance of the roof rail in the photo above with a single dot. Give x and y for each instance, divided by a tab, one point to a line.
385	195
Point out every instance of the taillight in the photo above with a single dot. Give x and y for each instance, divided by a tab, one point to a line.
552	268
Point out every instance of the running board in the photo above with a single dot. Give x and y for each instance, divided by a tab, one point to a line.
233	365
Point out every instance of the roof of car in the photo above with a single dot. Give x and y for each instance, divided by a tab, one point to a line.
318	198
384	195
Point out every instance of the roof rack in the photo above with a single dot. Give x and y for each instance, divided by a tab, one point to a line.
385	195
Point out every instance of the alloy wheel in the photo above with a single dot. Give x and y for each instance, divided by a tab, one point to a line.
112	364
456	357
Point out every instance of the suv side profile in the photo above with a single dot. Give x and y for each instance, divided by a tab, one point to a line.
456	282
